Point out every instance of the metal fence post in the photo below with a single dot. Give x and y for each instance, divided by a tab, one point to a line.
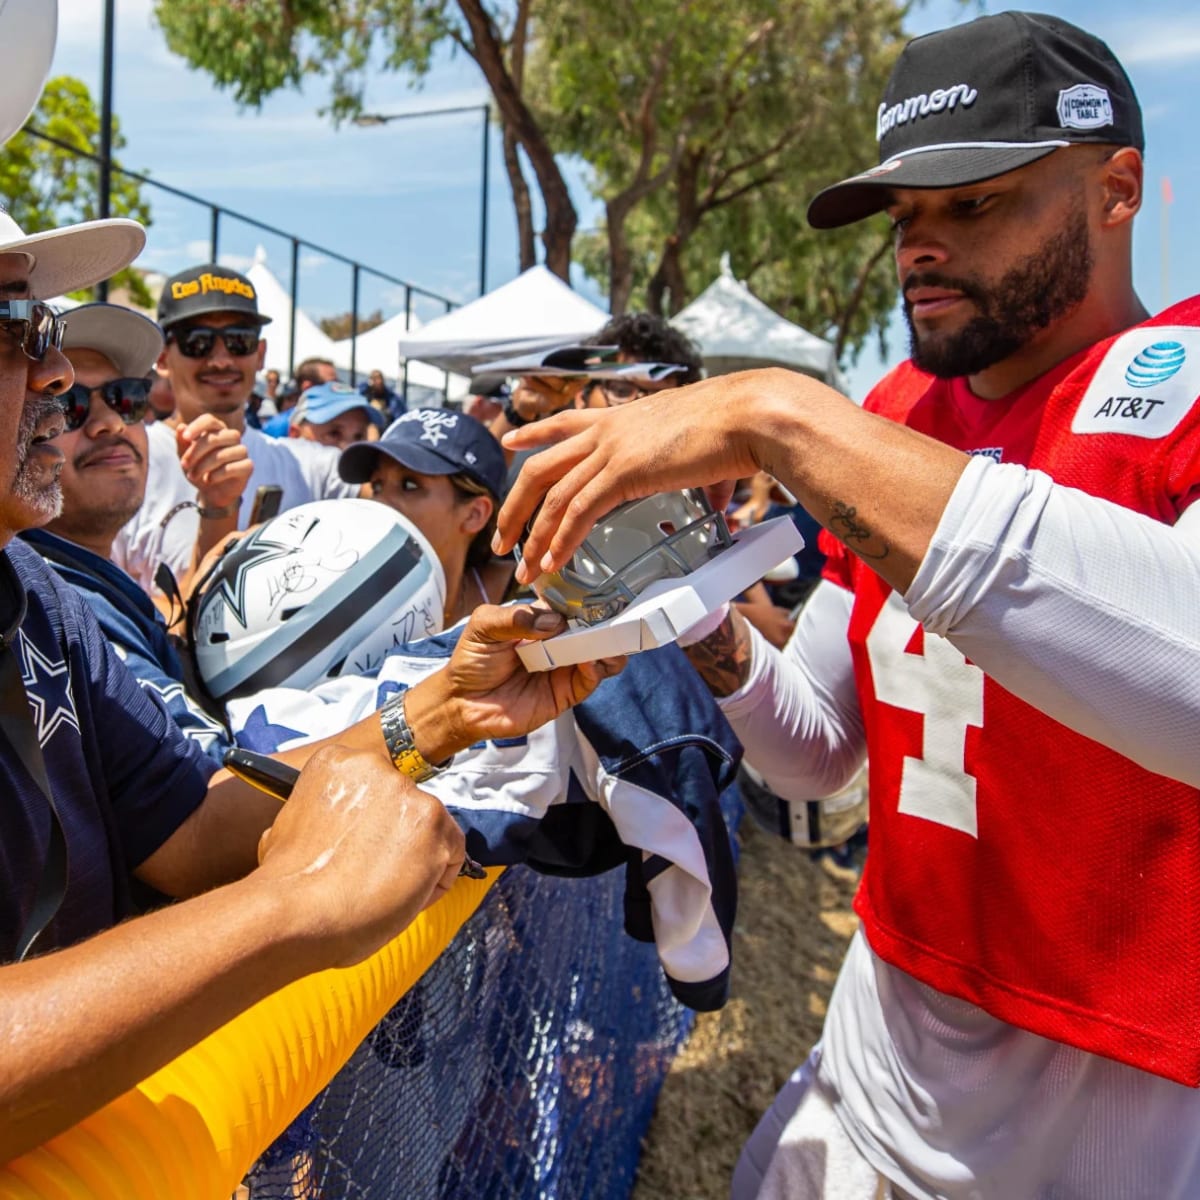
292	314
483	203
354	325
407	327
104	199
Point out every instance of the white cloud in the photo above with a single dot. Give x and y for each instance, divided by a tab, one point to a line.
1158	41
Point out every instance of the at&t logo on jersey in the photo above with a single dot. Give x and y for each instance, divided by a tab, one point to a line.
1148	382
1155	364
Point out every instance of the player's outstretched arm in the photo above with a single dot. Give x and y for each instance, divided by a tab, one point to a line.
876	485
356	853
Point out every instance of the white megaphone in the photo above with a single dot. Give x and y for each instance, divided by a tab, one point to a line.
28	29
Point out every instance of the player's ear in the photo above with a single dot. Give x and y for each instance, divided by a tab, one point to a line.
1122	176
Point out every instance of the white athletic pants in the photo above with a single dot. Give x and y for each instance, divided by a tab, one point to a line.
800	1151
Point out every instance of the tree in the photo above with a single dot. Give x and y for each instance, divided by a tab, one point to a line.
707	126
256	47
43	185
338	327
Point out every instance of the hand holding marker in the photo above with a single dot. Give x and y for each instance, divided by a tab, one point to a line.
277	779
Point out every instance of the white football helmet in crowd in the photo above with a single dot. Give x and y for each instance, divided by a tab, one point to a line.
28	29
321	591
666	536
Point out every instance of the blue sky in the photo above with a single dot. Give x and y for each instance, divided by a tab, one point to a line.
406	197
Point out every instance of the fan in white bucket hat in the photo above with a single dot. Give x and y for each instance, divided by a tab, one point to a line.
76	256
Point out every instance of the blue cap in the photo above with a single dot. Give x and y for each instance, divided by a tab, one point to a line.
325	401
432	441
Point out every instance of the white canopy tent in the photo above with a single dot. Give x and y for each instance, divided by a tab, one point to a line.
736	331
535	311
378	350
275	301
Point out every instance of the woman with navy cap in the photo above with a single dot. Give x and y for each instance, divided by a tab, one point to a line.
445	472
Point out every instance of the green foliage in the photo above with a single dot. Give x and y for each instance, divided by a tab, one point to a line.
722	121
43	185
257	47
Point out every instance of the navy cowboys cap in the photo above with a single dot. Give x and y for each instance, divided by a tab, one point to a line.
994	94
432	441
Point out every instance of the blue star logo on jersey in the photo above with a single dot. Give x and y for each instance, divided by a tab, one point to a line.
261	735
48	689
1155	364
234	569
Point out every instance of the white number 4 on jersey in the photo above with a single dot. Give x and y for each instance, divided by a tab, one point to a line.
948	692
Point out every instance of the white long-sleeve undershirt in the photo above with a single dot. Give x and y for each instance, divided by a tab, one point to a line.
1086	610
797	715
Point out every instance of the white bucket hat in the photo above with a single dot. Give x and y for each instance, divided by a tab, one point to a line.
131	342
75	256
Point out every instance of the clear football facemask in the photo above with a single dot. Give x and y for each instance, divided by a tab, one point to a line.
666	536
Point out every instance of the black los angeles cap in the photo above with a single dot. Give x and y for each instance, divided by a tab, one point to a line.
205	290
972	102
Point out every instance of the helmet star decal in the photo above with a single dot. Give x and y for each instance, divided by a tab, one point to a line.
233	568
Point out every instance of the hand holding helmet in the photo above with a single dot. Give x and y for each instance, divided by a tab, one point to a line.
484	691
602	458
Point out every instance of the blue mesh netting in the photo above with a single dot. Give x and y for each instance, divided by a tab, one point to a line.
526	1063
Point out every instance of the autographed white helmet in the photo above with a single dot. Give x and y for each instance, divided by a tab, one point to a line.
321	591
666	536
28	29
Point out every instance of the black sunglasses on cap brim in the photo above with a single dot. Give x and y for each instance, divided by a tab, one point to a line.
35	326
128	398
197	341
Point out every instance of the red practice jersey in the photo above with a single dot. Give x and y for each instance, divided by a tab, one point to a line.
1016	864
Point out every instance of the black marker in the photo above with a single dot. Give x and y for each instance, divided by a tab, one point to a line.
277	779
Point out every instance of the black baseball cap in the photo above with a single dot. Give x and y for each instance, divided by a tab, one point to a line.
432	441
206	290
994	94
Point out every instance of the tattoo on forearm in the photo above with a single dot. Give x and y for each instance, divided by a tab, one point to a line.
722	659
844	523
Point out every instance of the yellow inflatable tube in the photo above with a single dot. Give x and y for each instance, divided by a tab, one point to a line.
192	1130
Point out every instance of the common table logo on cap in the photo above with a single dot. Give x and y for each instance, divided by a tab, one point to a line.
983	98
205	291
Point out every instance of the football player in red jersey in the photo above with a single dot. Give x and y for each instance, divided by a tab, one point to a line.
1006	626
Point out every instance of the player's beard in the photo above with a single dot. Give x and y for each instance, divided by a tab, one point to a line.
1028	298
42	496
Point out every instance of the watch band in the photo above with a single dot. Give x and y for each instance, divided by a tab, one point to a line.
398	737
513	417
219	514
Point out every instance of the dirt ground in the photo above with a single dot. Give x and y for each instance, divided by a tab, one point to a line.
794	921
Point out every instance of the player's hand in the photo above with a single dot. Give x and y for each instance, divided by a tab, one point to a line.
214	460
361	849
484	690
682	437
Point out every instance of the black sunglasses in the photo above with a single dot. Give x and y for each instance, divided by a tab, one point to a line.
128	398
197	341
35	326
